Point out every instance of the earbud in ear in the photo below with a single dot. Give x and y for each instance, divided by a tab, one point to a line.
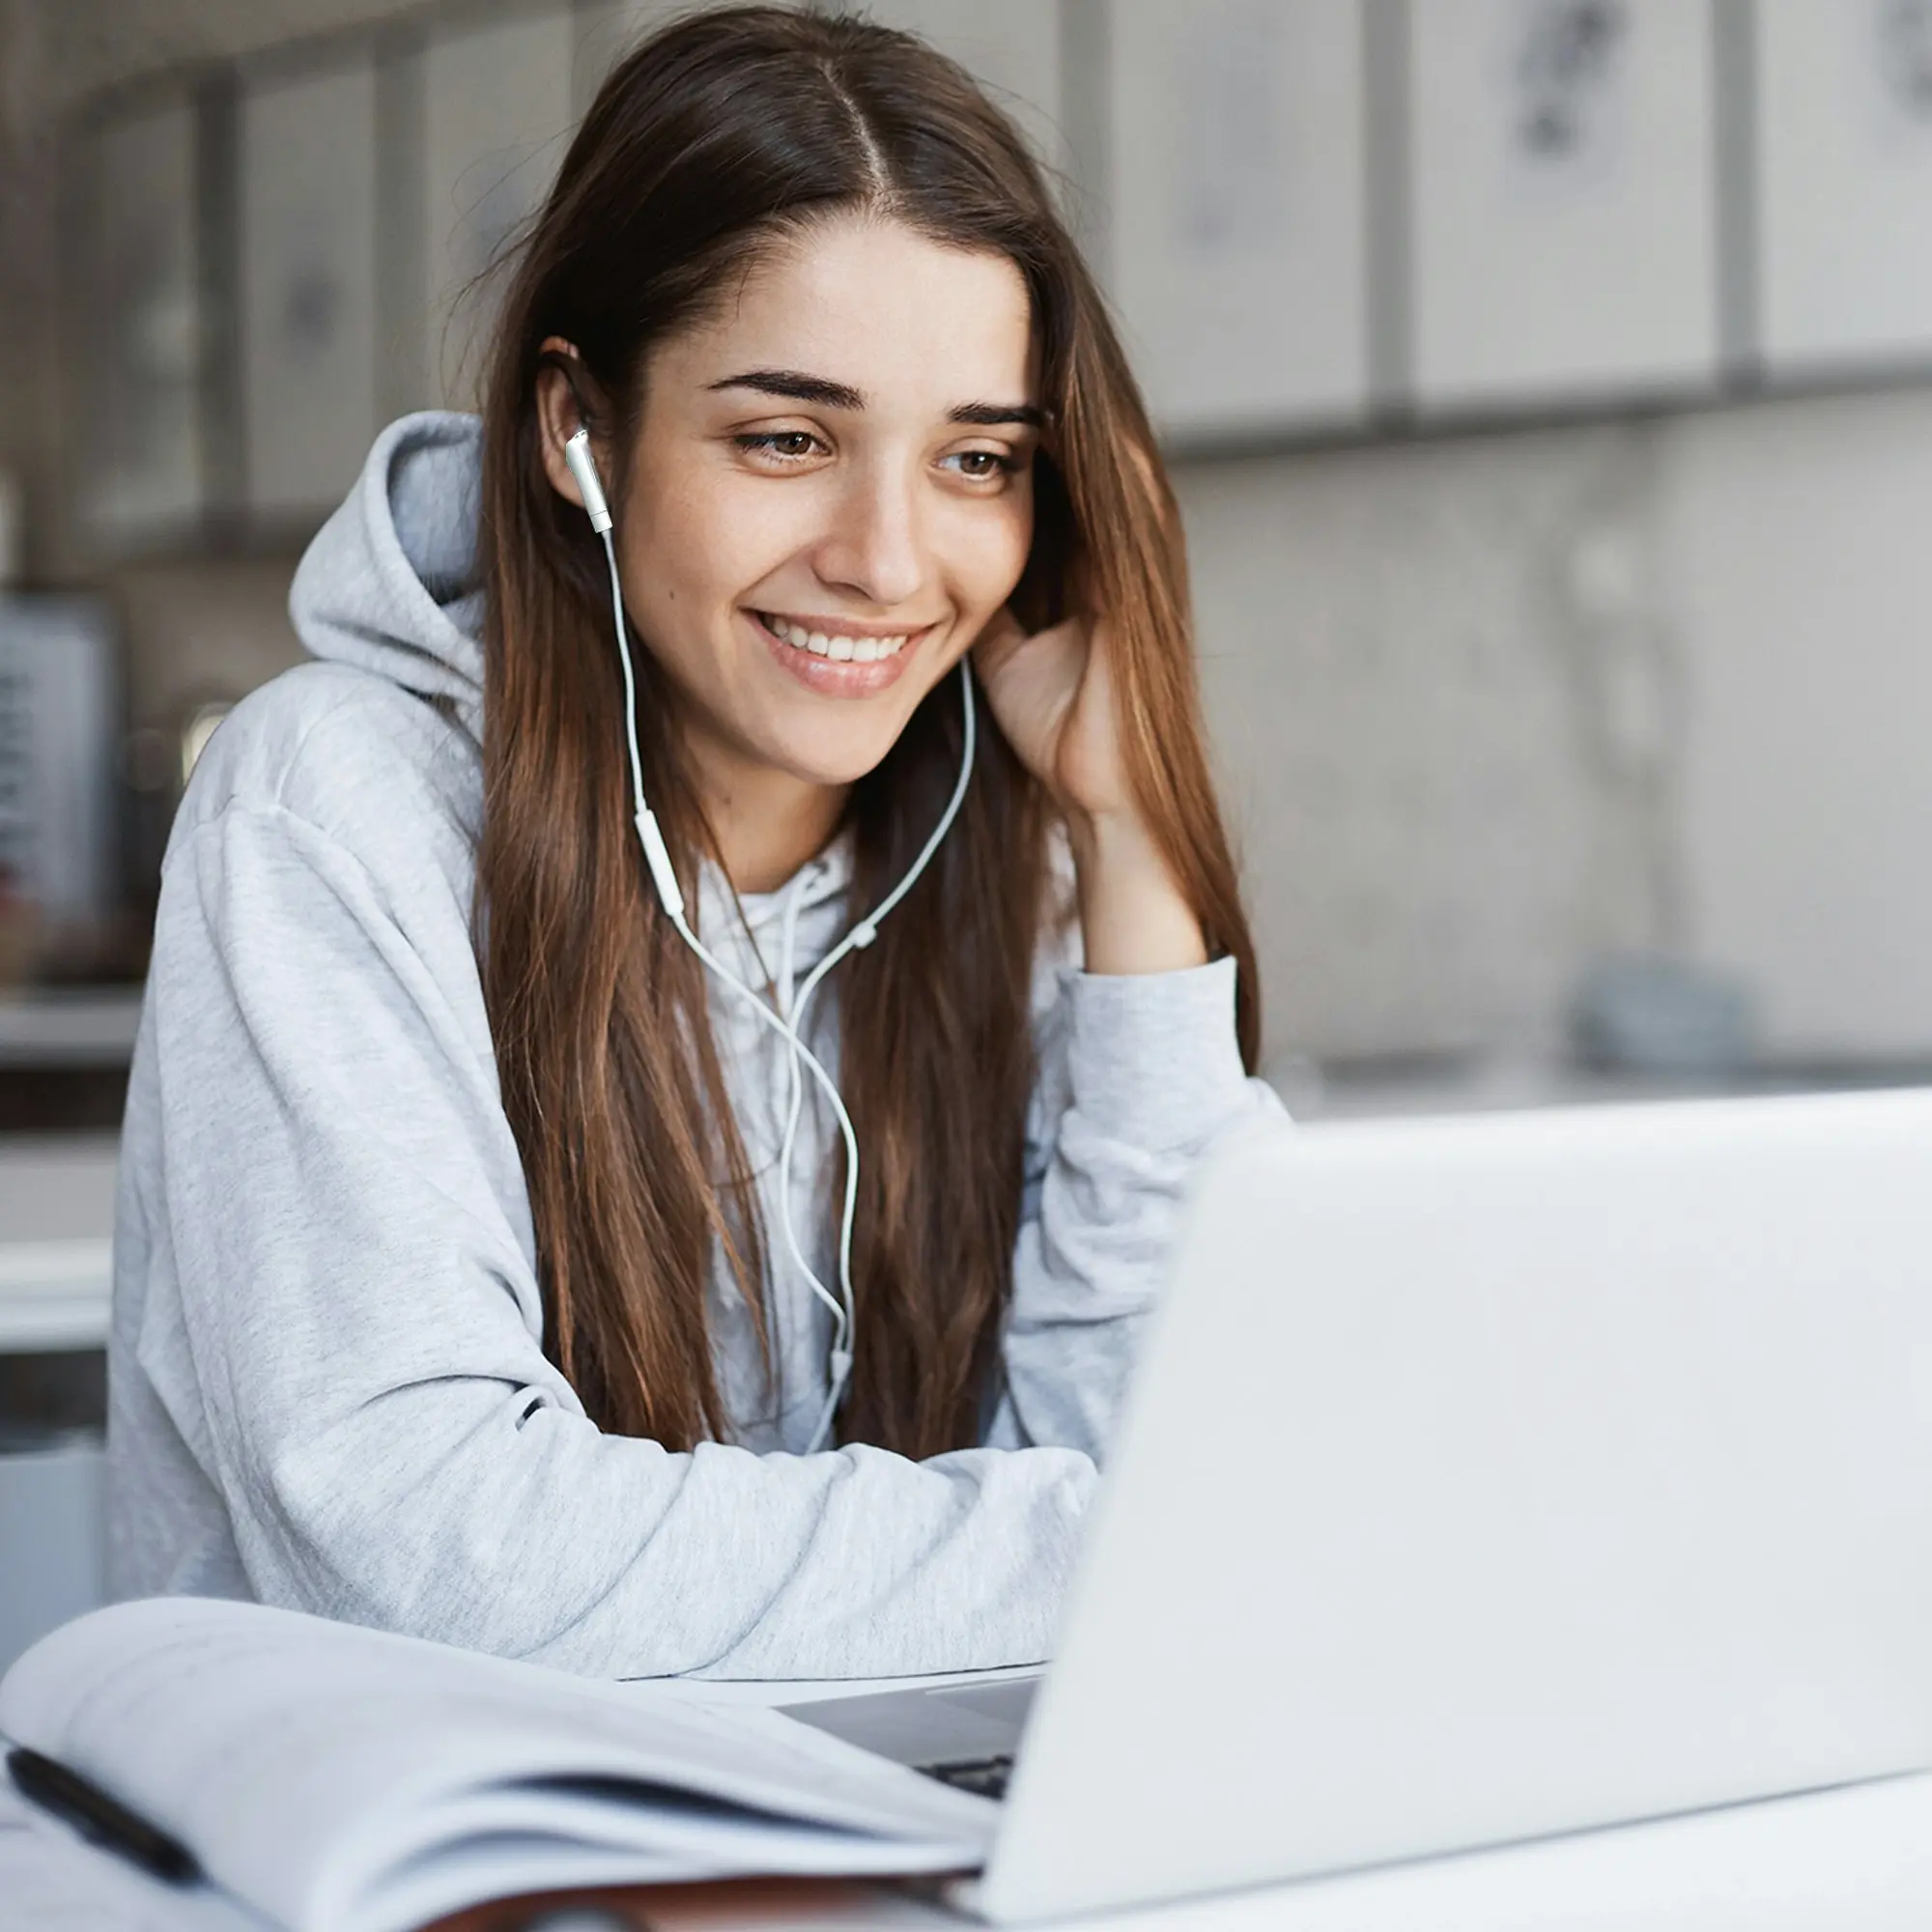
583	466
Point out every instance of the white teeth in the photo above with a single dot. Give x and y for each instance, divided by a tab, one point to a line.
858	651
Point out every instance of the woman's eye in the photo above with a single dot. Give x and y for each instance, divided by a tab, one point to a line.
787	445
982	465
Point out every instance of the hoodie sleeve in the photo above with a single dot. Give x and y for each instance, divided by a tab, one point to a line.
348	1336
1140	1076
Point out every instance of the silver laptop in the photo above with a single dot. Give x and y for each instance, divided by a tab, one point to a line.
1485	1479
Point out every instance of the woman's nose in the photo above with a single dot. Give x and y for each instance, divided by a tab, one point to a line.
875	548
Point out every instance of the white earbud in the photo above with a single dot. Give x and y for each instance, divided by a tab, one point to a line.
583	466
663	877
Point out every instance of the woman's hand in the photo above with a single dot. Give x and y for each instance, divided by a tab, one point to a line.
1052	697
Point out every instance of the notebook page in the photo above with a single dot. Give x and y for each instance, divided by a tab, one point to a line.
523	1841
303	1759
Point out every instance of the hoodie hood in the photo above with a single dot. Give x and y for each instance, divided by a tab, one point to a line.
391	586
390	583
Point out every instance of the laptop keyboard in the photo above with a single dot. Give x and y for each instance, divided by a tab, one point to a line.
983	1777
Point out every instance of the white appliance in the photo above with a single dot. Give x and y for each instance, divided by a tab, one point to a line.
57	723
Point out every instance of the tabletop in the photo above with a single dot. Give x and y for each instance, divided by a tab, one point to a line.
1857	1859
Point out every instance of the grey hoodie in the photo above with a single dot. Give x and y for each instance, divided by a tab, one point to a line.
327	1385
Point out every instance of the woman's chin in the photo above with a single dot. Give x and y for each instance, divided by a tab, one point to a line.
827	768
836	744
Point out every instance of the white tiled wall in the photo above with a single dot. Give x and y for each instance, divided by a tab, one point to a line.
1488	705
1798	552
1405	698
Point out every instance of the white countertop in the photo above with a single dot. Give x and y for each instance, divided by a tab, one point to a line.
69	1027
56	1240
1854	1860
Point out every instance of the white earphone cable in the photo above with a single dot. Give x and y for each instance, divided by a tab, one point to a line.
863	934
718	968
664	875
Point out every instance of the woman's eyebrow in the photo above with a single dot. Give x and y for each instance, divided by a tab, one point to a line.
795	386
994	416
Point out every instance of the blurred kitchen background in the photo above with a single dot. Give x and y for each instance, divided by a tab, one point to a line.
1548	387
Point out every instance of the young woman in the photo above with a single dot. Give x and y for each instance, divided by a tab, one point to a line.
493	1261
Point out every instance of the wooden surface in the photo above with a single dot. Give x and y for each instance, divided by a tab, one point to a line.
801	1905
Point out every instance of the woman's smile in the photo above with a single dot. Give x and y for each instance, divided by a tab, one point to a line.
839	657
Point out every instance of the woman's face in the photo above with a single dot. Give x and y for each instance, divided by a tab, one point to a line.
831	492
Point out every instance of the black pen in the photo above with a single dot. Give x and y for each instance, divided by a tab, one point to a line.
99	1819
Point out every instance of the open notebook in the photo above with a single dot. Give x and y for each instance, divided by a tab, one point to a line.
340	1780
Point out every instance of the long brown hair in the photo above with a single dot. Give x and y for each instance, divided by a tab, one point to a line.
710	139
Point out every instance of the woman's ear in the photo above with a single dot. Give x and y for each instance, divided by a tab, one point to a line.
560	413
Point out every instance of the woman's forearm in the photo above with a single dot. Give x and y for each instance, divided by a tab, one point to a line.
1132	916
